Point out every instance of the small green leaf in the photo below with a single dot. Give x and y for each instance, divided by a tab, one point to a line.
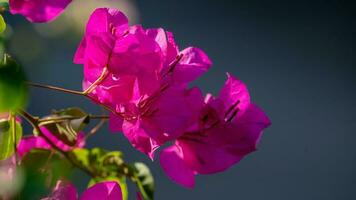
82	118
13	88
65	124
8	129
144	180
2	24
81	157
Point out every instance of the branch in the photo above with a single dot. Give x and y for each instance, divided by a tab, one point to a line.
34	122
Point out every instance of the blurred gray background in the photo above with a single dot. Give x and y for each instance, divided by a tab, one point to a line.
296	58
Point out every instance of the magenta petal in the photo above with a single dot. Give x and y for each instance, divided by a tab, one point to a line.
80	140
205	157
32	142
172	47
38	10
140	56
103	191
224	145
115	123
104	20
174	111
246	130
193	64
139	196
91	71
234	90
166	42
63	191
98	48
171	160
80	53
139	138
58	142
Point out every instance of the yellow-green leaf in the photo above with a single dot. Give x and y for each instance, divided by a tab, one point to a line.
8	130
2	24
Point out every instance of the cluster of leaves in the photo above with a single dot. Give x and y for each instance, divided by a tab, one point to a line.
110	166
44	167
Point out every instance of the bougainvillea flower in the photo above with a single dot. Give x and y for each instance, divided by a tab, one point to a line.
132	54
38	11
146	79
156	120
101	191
28	143
229	128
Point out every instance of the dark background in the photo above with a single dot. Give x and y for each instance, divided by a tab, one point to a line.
297	60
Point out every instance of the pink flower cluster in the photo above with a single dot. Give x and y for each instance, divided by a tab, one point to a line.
142	77
38	10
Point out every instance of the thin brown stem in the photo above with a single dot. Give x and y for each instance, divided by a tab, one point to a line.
96	128
56	88
63	118
102	77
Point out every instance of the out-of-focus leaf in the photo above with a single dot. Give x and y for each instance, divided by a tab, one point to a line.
81	158
42	170
9	129
4	4
2	24
121	181
144	180
13	89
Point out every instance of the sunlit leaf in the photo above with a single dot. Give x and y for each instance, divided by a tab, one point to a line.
144	180
13	89
8	130
81	156
2	24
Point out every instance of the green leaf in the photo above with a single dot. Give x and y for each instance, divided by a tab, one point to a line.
4	4
13	88
9	129
121	181
48	163
2	24
107	166
43	168
65	124
144	180
82	118
81	156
